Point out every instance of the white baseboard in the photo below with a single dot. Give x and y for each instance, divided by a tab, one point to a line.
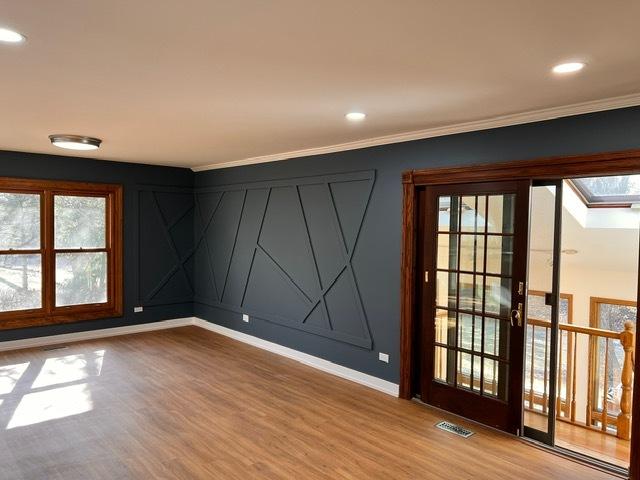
92	334
315	362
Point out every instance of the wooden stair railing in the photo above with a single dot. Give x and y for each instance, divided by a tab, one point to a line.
566	407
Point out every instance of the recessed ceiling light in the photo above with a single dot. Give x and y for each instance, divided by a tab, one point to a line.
10	36
355	116
75	142
570	67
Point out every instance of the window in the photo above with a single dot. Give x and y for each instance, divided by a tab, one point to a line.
537	309
623	190
608	314
60	252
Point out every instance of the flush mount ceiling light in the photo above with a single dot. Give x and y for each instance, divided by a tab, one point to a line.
9	36
570	67
355	116
75	142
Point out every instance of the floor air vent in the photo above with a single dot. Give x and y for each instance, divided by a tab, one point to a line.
54	347
453	428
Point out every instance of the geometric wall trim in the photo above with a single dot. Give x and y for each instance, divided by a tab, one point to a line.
165	273
282	251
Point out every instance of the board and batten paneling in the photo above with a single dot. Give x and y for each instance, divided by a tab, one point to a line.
282	251
165	245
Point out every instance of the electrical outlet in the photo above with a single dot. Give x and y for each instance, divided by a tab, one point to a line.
137	309
383	357
245	318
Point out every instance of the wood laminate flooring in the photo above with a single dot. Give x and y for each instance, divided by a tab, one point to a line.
190	404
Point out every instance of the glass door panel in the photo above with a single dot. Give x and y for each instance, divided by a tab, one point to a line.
474	270
542	312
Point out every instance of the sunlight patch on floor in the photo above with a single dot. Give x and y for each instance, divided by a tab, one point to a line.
9	376
69	368
52	404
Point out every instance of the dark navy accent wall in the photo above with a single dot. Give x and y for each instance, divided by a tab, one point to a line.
158	234
271	229
283	251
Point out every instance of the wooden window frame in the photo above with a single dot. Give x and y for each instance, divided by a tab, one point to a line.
594	318
48	313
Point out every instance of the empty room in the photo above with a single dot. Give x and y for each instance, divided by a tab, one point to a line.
319	240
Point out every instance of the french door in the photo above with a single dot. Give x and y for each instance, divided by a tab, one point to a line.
472	247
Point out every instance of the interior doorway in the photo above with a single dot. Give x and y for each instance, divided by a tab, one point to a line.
569	368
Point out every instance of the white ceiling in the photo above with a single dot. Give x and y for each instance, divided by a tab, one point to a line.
607	243
201	82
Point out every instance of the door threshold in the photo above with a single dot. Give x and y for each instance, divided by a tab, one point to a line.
594	463
467	420
559	451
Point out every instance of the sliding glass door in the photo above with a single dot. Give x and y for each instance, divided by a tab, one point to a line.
543	311
581	316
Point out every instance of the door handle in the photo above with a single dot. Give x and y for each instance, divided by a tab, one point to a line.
516	314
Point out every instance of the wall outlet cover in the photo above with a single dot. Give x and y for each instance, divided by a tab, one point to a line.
138	309
383	357
245	318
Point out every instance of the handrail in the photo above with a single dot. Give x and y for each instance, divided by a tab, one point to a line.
567	408
569	327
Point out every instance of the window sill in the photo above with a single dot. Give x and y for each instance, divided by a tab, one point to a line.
22	320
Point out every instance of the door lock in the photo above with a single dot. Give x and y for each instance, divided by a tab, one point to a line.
516	315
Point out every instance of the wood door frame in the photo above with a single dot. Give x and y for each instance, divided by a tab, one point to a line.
608	163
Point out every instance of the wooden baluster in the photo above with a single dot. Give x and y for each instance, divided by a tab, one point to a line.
593	345
533	367
574	376
570	380
624	417
559	382
605	387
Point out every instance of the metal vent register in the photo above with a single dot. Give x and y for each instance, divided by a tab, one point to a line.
453	428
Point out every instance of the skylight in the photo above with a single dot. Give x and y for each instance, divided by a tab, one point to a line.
617	190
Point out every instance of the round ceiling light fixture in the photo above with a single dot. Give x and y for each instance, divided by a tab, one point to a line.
75	142
570	67
355	116
9	36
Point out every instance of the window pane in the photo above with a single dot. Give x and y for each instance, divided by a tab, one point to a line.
20	282
501	213
447	251
539	310
499	254
80	221
624	185
448	214
440	364
19	221
445	327
81	278
613	316
446	284
498	296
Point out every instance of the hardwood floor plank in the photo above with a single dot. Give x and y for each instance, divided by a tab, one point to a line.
191	404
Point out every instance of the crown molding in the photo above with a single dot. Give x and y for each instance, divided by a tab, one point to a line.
486	124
